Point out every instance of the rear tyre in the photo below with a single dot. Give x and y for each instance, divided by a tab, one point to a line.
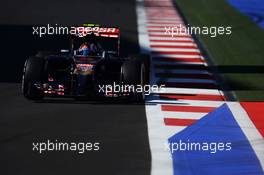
33	72
133	72
146	60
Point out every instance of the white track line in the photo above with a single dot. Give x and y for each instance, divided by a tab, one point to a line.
184	115
168	90
143	37
161	161
200	103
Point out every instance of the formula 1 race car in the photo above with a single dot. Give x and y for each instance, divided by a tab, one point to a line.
91	68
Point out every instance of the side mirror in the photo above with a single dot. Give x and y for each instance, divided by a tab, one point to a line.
64	51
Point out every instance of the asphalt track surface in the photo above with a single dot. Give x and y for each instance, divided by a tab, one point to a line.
120	128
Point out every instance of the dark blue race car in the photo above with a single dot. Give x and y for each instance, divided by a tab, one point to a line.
91	68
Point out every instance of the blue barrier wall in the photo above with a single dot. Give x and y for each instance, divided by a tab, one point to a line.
254	9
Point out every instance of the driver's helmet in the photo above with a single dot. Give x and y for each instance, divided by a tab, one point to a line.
85	49
91	39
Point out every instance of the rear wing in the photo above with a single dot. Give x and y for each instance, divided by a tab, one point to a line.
113	33
98	31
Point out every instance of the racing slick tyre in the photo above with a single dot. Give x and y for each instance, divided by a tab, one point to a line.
32	73
133	72
146	60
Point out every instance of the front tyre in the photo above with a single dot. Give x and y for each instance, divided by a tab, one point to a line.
33	73
133	73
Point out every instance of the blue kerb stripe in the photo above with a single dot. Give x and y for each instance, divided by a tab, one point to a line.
252	8
217	126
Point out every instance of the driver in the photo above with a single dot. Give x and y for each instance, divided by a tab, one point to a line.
90	46
84	49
